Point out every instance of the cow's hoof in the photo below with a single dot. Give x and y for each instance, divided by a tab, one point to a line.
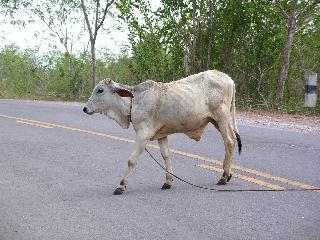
222	181
166	186
118	191
230	176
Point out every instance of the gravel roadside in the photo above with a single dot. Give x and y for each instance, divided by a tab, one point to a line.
301	123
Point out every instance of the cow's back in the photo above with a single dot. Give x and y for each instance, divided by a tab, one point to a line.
195	95
183	105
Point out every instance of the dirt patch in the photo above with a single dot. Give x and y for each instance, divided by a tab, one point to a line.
302	123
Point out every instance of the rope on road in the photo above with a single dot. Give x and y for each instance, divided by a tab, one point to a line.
232	190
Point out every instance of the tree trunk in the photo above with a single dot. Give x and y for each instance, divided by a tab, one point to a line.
201	43
209	35
194	42
186	62
286	54
226	57
201	48
93	64
93	31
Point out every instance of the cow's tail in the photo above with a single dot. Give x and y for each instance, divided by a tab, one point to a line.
233	111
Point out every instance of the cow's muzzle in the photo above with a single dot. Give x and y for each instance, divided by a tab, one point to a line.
85	109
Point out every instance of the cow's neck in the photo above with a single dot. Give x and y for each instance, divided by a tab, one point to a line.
121	112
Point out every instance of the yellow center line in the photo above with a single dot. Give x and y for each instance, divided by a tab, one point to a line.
33	124
70	128
175	151
247	170
243	177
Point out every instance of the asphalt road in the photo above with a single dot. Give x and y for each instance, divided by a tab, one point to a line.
59	168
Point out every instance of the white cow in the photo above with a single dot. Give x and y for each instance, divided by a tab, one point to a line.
157	110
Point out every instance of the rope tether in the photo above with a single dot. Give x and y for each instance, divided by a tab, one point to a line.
231	190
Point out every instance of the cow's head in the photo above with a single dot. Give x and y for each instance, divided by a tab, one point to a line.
111	99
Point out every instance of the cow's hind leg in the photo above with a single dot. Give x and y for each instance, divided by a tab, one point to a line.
163	143
229	139
138	149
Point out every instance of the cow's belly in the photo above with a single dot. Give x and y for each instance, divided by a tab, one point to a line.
192	127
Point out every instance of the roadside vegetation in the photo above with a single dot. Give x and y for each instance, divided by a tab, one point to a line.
265	46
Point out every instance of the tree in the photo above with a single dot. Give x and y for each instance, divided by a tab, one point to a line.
60	17
150	59
293	17
176	17
9	7
210	26
99	14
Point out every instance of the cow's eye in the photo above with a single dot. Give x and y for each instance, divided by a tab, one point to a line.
100	90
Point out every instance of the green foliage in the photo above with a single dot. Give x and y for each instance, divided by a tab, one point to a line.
54	76
68	78
243	38
19	71
246	41
149	60
118	70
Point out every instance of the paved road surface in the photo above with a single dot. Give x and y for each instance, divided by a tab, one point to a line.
59	167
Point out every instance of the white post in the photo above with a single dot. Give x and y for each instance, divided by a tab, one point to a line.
310	98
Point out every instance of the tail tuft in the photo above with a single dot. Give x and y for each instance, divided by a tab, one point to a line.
239	141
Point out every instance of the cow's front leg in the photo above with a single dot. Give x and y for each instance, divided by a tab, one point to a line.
138	149
164	148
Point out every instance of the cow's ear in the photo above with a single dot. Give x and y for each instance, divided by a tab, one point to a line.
123	92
